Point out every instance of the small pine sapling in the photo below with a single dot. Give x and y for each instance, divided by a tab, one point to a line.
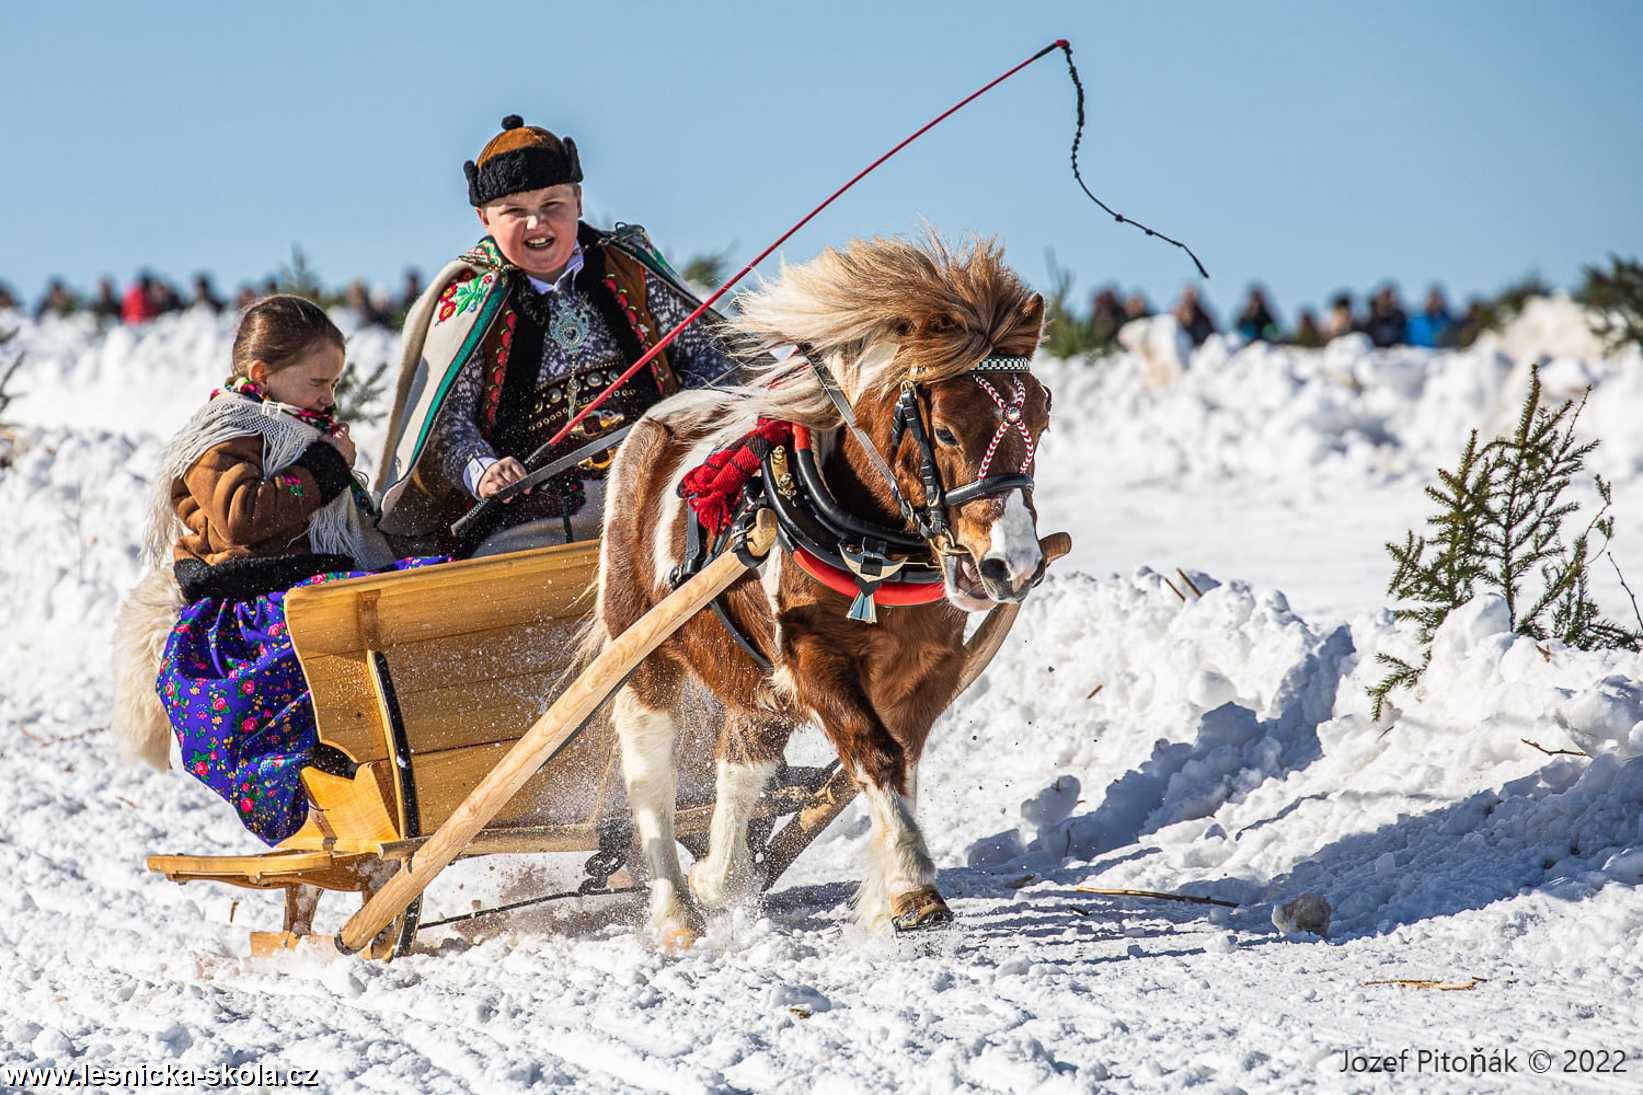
1524	514
1575	617
1500	523
1432	587
1066	333
356	392
1615	300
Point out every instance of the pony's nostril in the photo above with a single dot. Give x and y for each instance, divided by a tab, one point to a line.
995	569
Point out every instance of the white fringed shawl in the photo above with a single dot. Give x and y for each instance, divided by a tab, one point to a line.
338	527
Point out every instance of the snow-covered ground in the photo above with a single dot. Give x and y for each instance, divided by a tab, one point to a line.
1228	753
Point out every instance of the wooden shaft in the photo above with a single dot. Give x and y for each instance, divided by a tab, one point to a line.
827	803
549	734
840	789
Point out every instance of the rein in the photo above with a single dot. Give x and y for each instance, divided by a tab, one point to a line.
705	306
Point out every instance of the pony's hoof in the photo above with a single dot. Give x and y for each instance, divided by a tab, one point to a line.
678	926
708	897
919	910
677	938
717	895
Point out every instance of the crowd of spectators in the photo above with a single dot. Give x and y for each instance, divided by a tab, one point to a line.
149	296
1382	317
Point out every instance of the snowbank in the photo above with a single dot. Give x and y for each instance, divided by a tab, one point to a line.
146	380
1347	412
1230	752
1159	731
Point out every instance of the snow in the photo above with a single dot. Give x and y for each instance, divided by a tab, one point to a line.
1228	752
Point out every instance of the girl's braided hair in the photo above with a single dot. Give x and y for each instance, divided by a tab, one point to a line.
279	331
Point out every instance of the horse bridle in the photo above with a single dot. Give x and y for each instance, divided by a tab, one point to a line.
930	520
910	419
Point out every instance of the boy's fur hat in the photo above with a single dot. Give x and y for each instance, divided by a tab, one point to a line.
521	157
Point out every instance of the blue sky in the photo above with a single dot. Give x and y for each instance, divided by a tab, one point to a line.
1309	146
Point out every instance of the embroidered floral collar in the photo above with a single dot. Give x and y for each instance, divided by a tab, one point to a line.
246	388
487	254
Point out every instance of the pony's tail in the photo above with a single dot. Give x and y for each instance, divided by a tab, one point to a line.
141	628
587	643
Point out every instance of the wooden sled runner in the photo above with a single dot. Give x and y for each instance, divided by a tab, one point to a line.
450	731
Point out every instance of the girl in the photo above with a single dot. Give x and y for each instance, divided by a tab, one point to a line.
256	495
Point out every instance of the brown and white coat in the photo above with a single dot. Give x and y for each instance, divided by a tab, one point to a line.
880	313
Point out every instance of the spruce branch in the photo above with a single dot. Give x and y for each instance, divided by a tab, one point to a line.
356	391
1635	611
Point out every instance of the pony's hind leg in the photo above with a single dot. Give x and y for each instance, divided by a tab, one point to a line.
646	730
748	756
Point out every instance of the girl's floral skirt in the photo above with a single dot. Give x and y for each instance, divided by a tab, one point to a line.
239	704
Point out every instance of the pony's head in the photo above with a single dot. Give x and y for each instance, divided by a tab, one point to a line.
979	433
909	324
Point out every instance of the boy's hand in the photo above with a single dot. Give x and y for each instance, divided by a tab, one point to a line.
344	443
499	475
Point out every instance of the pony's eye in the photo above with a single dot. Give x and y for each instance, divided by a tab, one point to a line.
945	436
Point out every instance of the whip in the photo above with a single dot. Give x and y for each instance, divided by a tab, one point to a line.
541	454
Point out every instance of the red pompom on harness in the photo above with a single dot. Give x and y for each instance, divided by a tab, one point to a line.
714	490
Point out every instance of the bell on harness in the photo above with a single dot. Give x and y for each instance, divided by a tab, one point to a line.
871	568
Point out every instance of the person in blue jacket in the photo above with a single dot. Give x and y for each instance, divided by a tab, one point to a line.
1433	325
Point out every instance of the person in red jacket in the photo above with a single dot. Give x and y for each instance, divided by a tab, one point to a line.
138	304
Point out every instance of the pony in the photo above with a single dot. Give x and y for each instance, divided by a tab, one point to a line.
900	325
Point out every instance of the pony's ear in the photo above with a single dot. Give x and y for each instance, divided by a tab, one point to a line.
1032	312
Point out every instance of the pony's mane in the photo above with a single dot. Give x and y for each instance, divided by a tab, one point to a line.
879	312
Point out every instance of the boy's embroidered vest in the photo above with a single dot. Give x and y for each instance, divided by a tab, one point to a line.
470	313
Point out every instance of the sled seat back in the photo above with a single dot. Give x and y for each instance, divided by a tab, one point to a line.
425	677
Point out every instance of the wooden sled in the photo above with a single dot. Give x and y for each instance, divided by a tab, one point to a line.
445	691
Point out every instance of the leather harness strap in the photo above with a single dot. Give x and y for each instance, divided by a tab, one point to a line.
698	553
847	553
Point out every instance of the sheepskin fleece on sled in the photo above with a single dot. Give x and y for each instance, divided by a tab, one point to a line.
141	627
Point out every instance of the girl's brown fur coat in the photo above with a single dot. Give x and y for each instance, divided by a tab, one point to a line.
232	511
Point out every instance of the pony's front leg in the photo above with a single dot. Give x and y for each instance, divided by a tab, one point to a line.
901	882
899	887
646	733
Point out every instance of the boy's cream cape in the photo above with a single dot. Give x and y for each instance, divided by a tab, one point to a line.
432	353
448	325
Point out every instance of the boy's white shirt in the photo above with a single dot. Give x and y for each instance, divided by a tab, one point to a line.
479	465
